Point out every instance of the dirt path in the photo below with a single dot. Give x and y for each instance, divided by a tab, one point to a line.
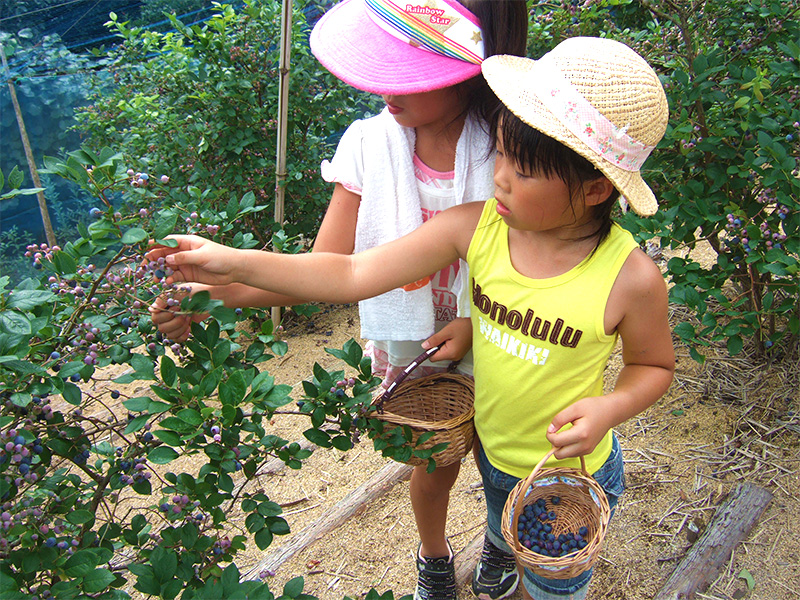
718	425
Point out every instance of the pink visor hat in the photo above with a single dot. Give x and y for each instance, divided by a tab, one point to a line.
397	47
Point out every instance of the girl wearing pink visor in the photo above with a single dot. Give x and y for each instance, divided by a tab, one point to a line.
428	150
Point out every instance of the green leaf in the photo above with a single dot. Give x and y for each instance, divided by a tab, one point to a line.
162	455
136	424
189	535
168	373
81	563
72	393
310	390
190	416
320	438
80	517
735	345
15	323
15	177
748	578
263	539
165	225
168	437
342	442
98	580
134	235
138	404
293	587
29	299
164	563
254	522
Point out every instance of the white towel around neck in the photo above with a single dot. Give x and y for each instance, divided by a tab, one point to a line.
390	208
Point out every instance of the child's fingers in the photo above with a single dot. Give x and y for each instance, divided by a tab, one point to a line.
443	353
568	415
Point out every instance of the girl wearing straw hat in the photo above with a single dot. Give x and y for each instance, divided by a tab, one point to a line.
428	150
554	282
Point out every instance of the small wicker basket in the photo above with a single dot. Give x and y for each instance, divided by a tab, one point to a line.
442	403
582	503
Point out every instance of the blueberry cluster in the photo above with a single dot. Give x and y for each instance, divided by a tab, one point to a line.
19	448
535	530
341	386
771	238
142	179
133	471
221	546
35	516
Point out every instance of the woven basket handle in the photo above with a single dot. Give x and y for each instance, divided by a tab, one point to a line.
405	373
524	489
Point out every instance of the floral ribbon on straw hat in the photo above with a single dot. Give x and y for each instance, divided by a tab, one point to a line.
606	139
596	96
437	26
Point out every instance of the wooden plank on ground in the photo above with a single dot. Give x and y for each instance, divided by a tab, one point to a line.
468	558
703	562
351	505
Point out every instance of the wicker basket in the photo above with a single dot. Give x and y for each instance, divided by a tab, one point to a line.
442	403
583	503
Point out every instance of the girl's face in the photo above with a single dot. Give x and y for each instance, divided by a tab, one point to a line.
436	108
531	201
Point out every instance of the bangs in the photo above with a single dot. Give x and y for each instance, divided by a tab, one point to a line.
537	153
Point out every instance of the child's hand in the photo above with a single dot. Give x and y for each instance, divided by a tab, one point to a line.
172	324
455	339
197	259
590	423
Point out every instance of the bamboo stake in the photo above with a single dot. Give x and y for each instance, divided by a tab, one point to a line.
48	226
283	118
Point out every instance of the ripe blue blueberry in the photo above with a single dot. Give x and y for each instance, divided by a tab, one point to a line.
115	394
95	213
126	322
50	542
55	355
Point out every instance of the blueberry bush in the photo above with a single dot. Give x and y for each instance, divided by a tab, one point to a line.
726	172
205	99
95	498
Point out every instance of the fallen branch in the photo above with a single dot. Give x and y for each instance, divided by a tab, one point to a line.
705	559
468	558
350	505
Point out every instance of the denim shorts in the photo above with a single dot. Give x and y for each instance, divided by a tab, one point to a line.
497	485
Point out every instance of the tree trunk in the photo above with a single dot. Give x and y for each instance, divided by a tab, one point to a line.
731	524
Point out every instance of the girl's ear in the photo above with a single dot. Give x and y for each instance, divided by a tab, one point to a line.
597	191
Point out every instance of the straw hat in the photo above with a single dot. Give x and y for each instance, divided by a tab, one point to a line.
378	46
595	96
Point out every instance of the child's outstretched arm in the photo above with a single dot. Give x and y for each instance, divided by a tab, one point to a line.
326	276
336	234
638	309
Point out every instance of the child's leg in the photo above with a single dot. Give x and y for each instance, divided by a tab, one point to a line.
430	495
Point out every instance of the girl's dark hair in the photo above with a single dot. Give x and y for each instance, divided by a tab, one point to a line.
504	24
535	152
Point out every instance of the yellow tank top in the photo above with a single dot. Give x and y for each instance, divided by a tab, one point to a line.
538	344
